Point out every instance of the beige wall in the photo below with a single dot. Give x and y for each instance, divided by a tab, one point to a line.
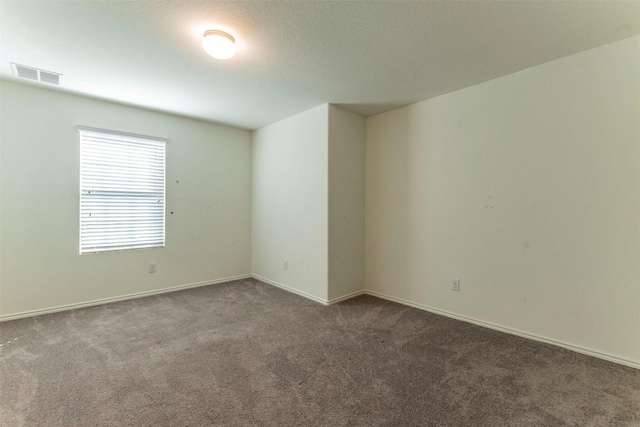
527	188
308	203
346	203
290	194
207	237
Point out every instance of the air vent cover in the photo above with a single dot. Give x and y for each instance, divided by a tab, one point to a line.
36	74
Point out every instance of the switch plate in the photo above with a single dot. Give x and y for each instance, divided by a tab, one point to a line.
455	285
285	265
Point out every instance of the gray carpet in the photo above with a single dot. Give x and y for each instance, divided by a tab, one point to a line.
245	354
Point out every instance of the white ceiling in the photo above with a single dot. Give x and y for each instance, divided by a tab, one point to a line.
368	57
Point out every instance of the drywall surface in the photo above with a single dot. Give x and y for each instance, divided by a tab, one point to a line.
346	203
289	203
527	189
208	190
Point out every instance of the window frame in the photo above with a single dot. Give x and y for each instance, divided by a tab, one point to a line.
127	138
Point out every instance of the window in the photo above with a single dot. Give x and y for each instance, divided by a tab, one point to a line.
122	191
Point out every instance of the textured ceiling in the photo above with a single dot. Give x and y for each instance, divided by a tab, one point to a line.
368	57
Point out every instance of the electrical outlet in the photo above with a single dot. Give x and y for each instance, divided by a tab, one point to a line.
285	265
455	285
152	267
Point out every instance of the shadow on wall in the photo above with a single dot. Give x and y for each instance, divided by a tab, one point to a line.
387	206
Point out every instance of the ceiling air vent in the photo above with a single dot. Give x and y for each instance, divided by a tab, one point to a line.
35	74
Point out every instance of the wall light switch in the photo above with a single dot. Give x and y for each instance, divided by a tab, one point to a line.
455	285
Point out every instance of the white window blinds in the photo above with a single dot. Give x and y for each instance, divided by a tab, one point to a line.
122	191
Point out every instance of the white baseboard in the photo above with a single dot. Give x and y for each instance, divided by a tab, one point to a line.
290	289
577	349
346	297
6	317
306	295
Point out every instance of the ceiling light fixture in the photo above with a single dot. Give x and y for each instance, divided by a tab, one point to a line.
219	44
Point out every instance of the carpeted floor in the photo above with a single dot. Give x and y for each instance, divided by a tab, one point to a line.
245	354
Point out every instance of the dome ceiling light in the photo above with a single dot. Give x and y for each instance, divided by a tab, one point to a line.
219	44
